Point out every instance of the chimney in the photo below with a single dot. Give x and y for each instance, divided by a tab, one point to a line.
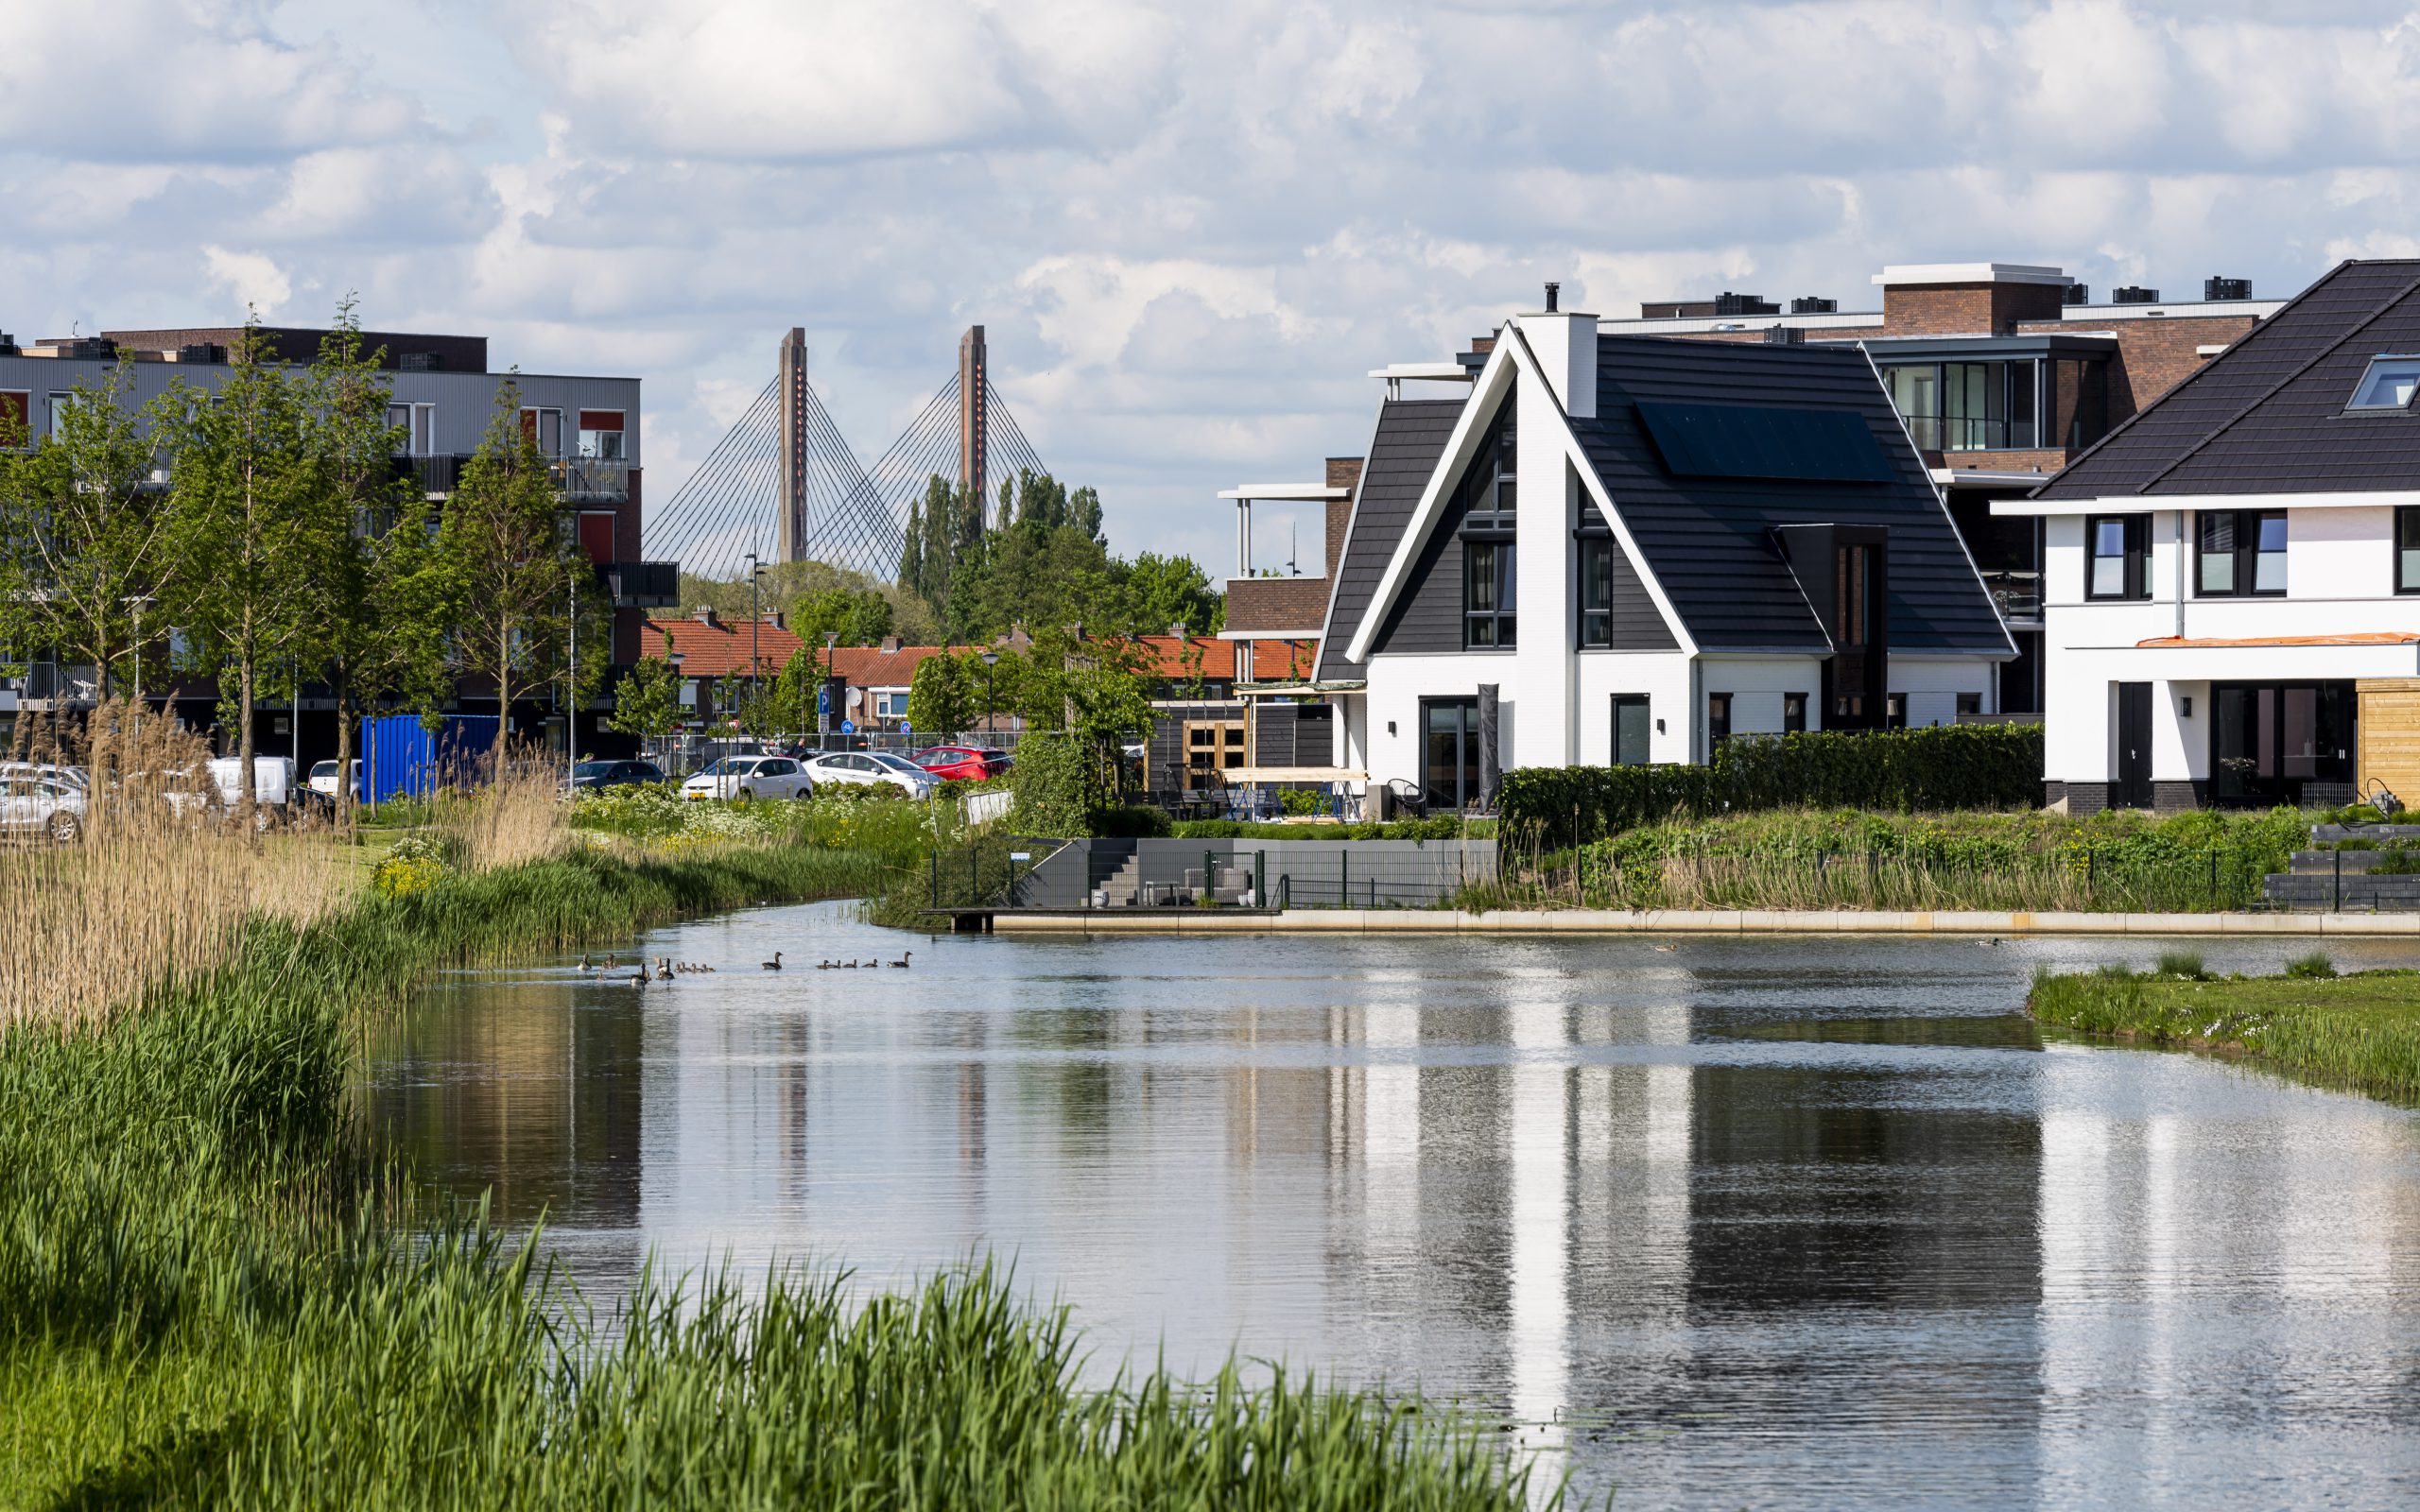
773	618
1566	344
889	645
1177	630
707	616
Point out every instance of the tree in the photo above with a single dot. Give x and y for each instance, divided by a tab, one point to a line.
240	522
942	699
365	534
511	569
1096	694
85	550
647	702
1154	593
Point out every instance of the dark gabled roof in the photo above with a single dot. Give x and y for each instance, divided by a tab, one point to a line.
1410	437
2267	415
1707	539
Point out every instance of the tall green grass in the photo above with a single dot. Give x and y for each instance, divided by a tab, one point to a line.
215	1292
2360	1031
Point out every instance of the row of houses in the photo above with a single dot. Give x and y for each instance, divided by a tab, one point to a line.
2185	535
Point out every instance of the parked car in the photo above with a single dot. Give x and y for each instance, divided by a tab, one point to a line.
593	777
872	769
33	808
47	772
750	777
963	764
322	779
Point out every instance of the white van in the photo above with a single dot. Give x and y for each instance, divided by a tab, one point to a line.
272	780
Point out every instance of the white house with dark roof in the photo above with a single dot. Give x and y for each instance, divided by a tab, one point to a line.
1620	549
2232	577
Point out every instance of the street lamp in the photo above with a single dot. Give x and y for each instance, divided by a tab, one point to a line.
756	621
831	641
991	723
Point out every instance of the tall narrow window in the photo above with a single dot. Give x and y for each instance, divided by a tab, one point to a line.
1718	718
2241	552
2116	543
544	429
16	412
1631	729
1793	713
1489	532
2407	551
1597	592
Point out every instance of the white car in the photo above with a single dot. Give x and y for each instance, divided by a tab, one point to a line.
750	777
323	780
32	808
872	769
48	772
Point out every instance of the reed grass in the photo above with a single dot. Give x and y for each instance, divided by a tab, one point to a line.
216	1291
2359	1031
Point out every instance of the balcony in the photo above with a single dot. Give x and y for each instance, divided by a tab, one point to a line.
579	479
640	584
2017	595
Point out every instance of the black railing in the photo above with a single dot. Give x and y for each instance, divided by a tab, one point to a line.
641	584
580	479
2017	595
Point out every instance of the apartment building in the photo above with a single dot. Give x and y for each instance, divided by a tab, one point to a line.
2004	372
443	397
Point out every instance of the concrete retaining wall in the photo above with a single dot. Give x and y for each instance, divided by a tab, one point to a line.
1705	922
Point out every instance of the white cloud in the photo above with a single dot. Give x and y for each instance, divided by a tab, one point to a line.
1189	231
256	283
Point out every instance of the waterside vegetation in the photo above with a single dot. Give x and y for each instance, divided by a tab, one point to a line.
2359	1031
216	1290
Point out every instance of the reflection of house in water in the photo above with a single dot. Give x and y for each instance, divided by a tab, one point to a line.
528	1090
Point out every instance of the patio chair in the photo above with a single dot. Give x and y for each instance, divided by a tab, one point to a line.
1403	794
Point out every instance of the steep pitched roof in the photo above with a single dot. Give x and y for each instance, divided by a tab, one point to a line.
1410	436
1707	539
712	650
2267	415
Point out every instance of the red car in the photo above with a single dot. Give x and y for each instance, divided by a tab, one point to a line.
963	763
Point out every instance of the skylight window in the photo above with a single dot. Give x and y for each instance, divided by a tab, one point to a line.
2389	384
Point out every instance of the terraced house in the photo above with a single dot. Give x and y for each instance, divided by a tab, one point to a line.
1613	549
2233	576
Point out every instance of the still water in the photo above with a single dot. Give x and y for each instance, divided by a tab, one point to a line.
1729	1223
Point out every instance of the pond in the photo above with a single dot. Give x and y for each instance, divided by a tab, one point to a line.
1804	1222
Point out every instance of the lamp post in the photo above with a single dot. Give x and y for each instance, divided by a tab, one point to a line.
755	622
676	657
831	642
991	721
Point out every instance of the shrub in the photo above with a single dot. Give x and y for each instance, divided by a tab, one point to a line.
1943	767
1303	801
2314	965
1051	780
2186	964
1138	821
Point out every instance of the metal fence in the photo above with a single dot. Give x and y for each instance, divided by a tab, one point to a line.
1240	873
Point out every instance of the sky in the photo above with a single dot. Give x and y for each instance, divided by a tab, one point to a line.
1189	230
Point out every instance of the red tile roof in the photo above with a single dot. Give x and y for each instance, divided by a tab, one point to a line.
2350	638
711	650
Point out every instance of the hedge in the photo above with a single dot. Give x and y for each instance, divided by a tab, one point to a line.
1941	767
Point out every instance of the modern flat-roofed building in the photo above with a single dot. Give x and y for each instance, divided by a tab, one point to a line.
443	398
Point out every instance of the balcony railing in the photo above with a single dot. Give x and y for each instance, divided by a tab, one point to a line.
580	479
641	584
2018	595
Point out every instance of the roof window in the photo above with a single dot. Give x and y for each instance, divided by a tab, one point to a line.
2389	384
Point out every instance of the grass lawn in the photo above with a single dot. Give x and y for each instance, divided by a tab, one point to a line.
2360	1031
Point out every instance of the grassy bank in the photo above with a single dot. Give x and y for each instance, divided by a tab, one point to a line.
214	1290
1829	859
2361	1032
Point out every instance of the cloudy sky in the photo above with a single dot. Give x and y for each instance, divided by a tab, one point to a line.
1190	229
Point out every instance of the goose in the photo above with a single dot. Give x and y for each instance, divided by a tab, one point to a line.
775	964
873	964
644	976
902	963
585	966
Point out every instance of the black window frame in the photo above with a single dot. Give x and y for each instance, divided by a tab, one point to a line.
1467	763
2134	538
1597	551
2244	555
1646	707
2407	558
1490	539
1718	719
1793	712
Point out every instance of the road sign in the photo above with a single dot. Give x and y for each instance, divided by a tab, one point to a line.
848	727
823	699
906	728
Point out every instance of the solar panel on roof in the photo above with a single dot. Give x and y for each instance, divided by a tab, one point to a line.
1766	441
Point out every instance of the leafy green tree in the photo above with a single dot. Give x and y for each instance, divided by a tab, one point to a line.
365	533
1098	694
510	568
940	700
240	519
647	702
86	549
792	701
1154	593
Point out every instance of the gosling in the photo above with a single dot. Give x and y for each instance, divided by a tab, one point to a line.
775	964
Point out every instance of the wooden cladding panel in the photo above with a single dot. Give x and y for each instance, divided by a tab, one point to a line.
2386	735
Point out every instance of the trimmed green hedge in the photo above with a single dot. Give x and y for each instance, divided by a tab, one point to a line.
1144	823
1941	767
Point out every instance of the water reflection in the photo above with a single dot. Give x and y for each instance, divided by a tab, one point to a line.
1807	1222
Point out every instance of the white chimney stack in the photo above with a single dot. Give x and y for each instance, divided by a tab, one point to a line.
1566	344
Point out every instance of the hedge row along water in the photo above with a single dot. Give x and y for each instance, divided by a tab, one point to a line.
1946	766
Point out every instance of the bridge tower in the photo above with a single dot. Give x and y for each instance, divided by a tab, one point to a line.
791	528
973	418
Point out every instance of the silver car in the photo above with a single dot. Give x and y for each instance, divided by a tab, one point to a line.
870	769
33	808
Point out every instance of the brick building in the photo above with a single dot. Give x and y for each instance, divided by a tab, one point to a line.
2003	372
